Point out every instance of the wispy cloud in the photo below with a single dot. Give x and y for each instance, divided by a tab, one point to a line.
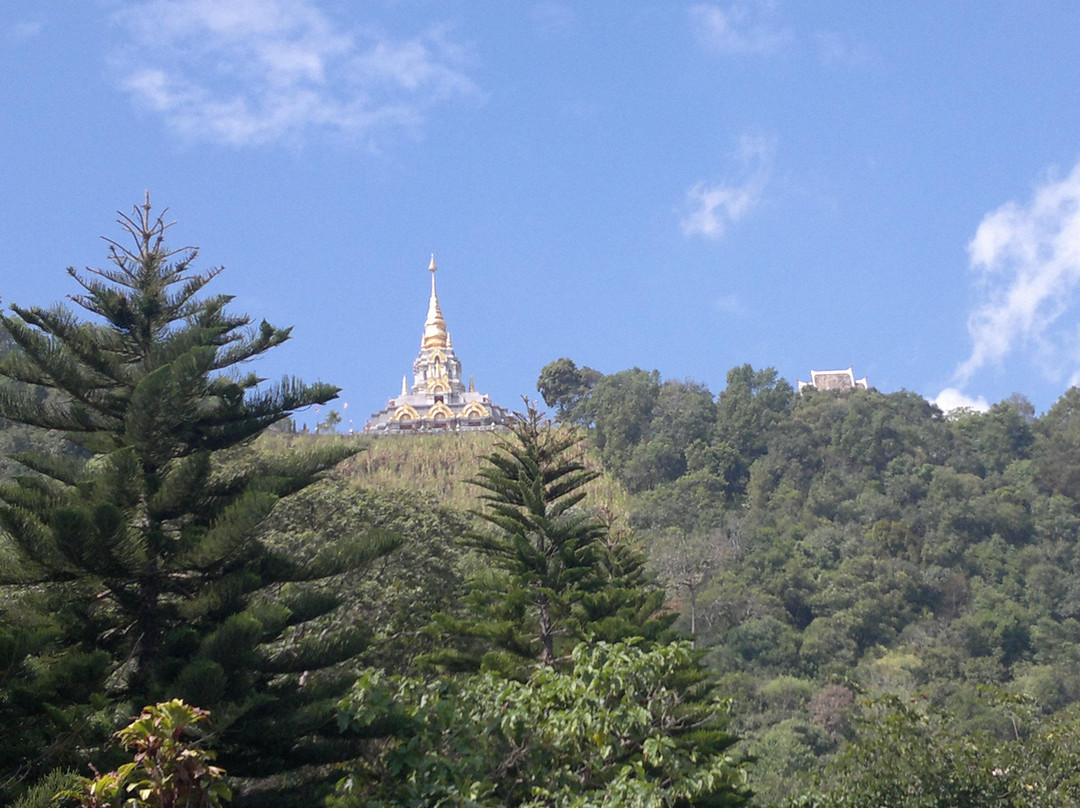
712	208
1028	262
743	27
255	71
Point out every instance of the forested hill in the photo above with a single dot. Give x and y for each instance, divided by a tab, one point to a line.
825	545
827	548
888	595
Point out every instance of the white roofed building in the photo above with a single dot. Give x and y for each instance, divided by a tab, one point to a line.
833	380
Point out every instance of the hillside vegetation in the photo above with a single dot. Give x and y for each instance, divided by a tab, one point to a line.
177	575
673	598
828	547
438	468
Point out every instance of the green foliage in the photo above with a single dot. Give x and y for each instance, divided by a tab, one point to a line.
1057	446
149	544
903	757
17	439
626	601
51	676
545	546
621	408
750	407
988	443
44	793
854	537
167	771
682	420
818	545
400	591
155	517
648	433
565	386
632	722
906	755
622	725
550	576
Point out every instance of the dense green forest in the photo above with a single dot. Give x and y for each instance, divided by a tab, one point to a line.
660	596
829	549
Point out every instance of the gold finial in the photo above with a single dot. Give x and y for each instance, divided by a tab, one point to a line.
404	386
472	387
435	335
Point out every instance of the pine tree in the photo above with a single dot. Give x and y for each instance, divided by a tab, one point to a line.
551	575
149	534
16	438
627	602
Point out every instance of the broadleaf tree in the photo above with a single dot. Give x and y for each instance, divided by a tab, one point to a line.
618	725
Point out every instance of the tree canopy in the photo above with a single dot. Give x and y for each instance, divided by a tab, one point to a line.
135	566
560	684
823	544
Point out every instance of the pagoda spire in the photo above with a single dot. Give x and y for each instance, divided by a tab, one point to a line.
438	400
435	335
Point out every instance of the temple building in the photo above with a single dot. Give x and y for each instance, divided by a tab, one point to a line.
438	400
834	380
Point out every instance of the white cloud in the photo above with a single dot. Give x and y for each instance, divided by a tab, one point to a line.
951	399
1028	262
714	207
741	28
412	66
254	71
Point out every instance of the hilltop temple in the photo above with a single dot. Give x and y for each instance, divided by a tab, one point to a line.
839	380
438	400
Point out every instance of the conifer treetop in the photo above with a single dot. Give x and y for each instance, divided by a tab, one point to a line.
151	320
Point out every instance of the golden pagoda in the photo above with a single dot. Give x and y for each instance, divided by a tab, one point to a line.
438	400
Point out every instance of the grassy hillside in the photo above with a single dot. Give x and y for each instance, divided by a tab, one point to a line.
440	466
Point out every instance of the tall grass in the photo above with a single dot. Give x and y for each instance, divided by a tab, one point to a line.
439	467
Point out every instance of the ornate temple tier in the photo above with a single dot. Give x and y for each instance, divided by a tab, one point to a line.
438	401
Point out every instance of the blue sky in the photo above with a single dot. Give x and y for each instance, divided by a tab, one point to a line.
679	186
